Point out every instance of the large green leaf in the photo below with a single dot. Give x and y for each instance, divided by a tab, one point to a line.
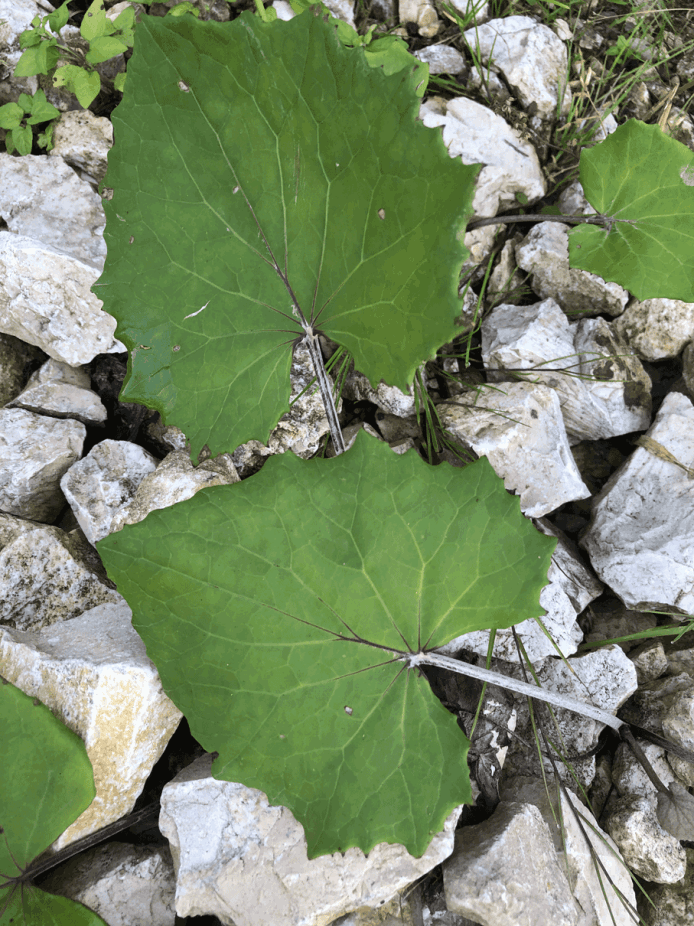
276	611
644	181
250	152
46	782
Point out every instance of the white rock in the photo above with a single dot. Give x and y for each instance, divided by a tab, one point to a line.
174	480
83	141
575	853
640	539
15	18
539	338
61	391
342	9
93	672
125	885
16	358
45	299
649	850
303	426
629	776
657	328
47	575
505	872
101	485
442	59
544	253
521	431
44	199
530	56
422	13
477	135
284	10
35	453
673	904
605	678
244	861
571	588
389	399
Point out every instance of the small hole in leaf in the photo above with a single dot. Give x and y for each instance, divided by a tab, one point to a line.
183	86
177	347
381	213
348	710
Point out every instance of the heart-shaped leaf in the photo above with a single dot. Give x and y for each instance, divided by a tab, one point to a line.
278	610
257	166
644	181
46	782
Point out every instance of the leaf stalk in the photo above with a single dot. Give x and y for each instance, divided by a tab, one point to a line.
604	220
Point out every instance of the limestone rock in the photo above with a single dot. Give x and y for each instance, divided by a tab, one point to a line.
93	672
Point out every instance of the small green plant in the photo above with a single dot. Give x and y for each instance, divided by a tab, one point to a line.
288	616
42	53
18	118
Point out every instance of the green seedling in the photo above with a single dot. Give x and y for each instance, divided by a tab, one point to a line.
296	193
18	118
42	52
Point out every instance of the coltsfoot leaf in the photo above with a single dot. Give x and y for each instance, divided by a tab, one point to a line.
260	165
46	782
277	611
644	181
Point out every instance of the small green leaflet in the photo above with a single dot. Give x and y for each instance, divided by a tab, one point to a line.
257	165
47	782
644	180
275	611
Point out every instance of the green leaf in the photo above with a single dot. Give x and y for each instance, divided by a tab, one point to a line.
231	135
187	7
391	53
47	782
30	38
275	611
22	139
387	51
11	115
85	86
38	60
104	48
119	80
95	22
41	110
58	18
644	180
124	23
45	139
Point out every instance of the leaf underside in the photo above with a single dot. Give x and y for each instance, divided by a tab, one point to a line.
248	154
644	180
275	610
46	782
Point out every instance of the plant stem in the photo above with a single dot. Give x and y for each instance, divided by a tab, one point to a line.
566	219
513	684
627	735
326	392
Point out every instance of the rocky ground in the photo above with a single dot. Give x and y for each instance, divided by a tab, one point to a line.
602	463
